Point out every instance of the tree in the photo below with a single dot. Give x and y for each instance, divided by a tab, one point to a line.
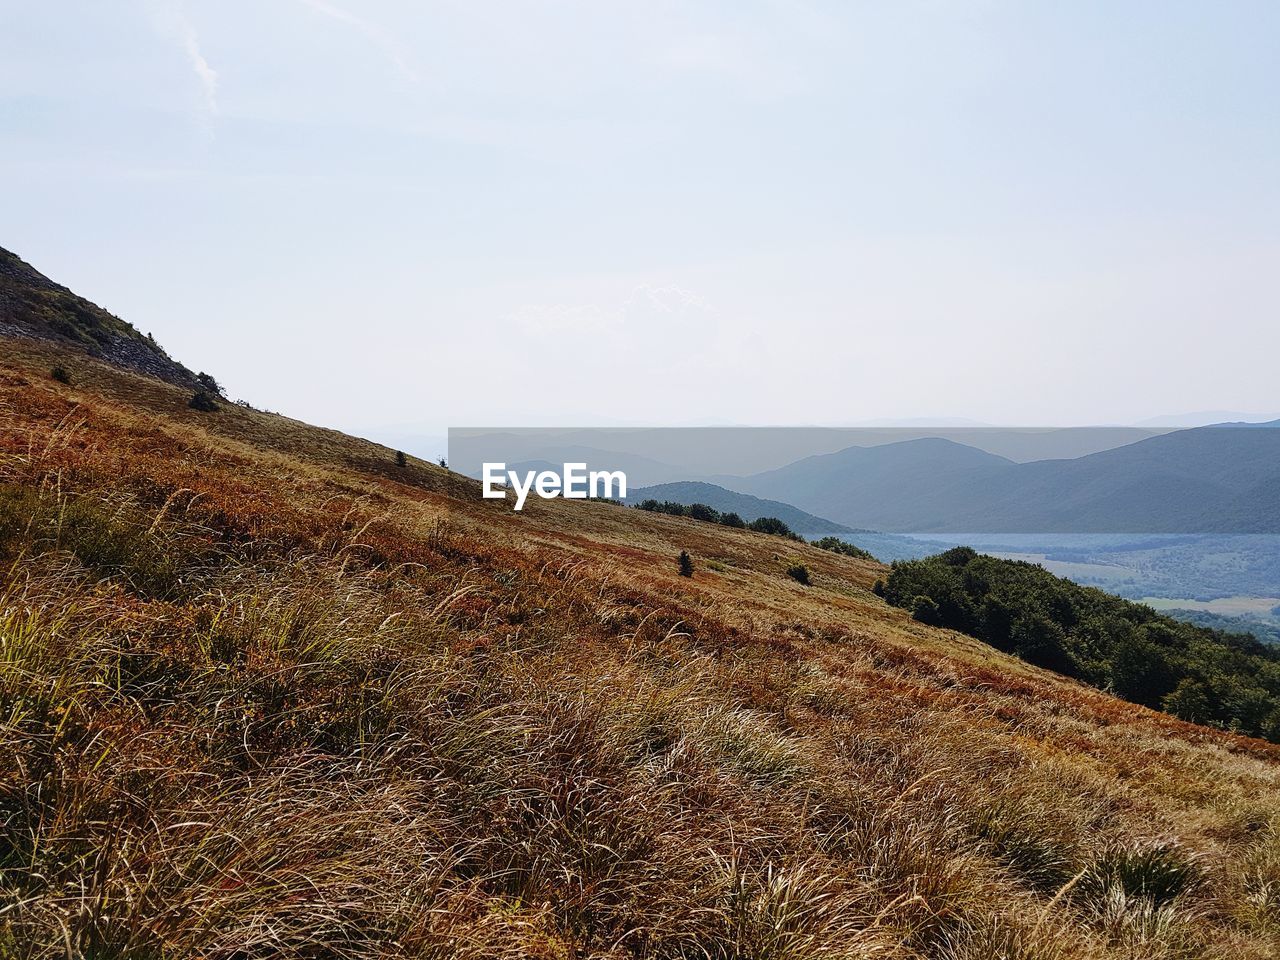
1140	671
770	525
1189	701
1039	640
443	462
732	520
700	511
401	459
686	564
208	384
925	610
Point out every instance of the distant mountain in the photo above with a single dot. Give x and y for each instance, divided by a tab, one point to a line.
468	454
32	305
746	506
1204	418
1223	479
894	486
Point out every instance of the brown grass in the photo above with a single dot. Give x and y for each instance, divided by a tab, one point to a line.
264	694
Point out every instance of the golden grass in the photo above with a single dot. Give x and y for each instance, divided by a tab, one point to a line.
263	693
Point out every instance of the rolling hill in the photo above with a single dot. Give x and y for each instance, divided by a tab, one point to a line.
266	692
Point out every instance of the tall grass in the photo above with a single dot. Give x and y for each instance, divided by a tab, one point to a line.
350	725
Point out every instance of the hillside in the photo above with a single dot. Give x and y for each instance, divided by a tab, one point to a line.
32	305
744	505
265	693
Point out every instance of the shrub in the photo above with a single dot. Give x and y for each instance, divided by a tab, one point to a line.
732	520
686	564
203	401
878	587
208	384
401	459
842	547
60	374
798	572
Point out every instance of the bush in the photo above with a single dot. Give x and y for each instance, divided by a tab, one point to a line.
686	564
878	587
208	384
60	374
401	459
798	572
842	547
732	520
203	401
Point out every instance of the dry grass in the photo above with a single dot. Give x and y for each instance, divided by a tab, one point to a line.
264	694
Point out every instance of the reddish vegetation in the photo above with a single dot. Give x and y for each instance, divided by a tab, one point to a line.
263	692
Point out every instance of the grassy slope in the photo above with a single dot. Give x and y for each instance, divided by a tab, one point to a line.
264	693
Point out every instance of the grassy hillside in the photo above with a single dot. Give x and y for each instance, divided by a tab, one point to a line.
265	693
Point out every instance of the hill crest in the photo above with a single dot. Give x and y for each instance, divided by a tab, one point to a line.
33	306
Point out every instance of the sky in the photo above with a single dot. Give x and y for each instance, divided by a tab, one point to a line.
395	216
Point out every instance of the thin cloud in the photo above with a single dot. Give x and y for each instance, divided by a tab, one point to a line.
171	20
379	37
207	76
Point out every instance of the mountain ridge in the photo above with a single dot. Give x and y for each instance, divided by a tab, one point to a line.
32	305
1218	479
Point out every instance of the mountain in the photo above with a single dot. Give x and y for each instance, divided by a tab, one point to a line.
32	305
1220	479
266	690
1204	418
895	486
470	450
744	505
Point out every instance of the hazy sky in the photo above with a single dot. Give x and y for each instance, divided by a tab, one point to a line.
417	213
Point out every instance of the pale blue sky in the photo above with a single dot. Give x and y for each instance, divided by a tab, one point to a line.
429	213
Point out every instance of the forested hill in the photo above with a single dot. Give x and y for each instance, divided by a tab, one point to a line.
1231	680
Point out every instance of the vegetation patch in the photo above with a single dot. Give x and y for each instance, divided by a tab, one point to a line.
1198	674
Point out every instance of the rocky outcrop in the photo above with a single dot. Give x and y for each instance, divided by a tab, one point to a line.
32	305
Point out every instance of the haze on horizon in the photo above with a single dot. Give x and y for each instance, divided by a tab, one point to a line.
390	217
